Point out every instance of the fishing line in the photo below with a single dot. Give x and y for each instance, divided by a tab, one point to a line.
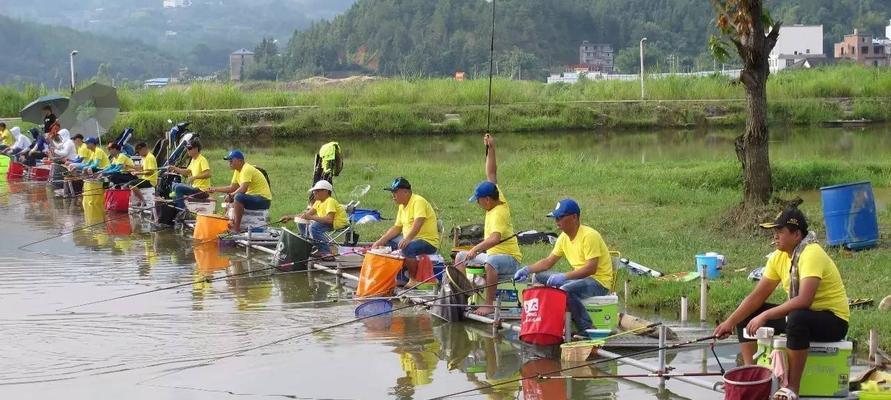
126	215
322	329
589	364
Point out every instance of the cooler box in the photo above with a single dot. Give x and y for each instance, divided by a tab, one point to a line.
257	220
604	311
826	372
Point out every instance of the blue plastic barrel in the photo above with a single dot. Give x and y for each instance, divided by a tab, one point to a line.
709	264
850	214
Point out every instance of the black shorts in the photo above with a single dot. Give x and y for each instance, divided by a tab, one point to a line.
801	327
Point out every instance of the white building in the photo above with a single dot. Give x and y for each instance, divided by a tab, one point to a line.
796	43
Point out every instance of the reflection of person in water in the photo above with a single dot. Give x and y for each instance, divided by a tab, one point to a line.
502	365
418	352
251	291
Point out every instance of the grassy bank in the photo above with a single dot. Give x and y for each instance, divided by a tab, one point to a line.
659	211
425	106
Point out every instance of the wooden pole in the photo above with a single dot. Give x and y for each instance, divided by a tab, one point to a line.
683	308
703	297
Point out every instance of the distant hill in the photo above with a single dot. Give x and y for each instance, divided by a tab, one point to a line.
202	34
39	54
426	37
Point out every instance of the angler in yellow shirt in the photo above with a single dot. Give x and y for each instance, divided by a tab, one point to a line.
415	231
147	172
6	139
817	309
499	251
587	254
197	176
248	189
325	214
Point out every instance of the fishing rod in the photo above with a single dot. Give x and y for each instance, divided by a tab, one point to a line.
491	71
319	330
627	376
104	221
464	262
161	289
589	364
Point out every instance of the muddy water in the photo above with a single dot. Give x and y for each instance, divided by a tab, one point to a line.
207	340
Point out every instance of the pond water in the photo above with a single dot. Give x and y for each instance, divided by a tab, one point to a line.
212	340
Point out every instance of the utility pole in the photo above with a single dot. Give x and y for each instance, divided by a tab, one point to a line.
642	93
71	64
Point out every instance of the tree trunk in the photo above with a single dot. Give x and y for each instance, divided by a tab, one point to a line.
752	148
755	157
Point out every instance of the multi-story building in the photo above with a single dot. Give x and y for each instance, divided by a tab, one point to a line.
239	61
862	49
596	56
796	43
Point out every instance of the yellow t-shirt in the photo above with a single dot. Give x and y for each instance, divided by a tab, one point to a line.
257	184
122	159
7	138
331	206
498	220
197	166
813	262
588	244
150	163
418	207
84	152
100	155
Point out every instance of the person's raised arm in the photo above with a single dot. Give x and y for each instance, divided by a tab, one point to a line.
491	165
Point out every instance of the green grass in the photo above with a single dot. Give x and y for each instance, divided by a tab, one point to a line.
658	209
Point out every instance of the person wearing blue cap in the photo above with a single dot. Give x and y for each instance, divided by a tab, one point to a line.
98	158
587	254
248	189
414	231
499	251
197	176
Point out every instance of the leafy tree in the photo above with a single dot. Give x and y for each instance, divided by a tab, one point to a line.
747	25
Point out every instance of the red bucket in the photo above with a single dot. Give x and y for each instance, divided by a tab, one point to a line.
15	171
544	312
117	200
753	382
40	173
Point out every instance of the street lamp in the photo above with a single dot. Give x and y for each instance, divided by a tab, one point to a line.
71	64
642	69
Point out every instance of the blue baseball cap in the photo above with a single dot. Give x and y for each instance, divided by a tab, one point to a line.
484	189
234	155
92	140
398	183
565	207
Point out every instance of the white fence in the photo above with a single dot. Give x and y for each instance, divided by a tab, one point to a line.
573	77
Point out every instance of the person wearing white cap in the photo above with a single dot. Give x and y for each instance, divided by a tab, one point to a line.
325	214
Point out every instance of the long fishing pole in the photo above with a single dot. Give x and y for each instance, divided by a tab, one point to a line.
161	289
463	262
322	329
589	364
104	221
491	71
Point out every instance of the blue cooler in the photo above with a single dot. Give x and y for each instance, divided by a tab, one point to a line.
850	214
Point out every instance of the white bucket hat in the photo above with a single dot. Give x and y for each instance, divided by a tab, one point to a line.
322	185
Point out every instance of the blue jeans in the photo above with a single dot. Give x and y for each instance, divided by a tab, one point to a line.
253	201
576	291
181	190
415	247
316	231
506	265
